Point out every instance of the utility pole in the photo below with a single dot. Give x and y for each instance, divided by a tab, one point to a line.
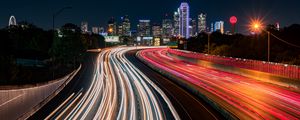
53	28
269	46
208	43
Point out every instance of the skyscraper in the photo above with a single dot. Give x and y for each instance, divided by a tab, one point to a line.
112	27
219	26
84	27
144	28
201	22
184	16
167	28
176	23
125	26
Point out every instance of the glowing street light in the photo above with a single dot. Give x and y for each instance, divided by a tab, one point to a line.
256	26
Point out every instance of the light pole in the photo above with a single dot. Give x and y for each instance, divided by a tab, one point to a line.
208	42
53	28
257	27
268	46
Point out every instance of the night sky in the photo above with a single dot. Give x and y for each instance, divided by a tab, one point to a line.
98	12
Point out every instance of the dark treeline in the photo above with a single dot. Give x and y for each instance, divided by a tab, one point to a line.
251	46
58	55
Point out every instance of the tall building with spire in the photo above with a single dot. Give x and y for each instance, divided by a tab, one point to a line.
184	21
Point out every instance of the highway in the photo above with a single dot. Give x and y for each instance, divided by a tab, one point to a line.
244	98
187	105
110	88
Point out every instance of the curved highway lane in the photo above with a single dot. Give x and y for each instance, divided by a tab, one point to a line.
243	97
188	106
117	90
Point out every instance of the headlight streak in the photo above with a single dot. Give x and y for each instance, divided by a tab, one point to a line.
244	97
118	91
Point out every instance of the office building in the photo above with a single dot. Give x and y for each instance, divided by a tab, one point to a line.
84	27
112	27
126	26
156	30
219	26
201	22
176	23
184	16
167	28
193	27
144	28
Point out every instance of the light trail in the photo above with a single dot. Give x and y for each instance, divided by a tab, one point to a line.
118	91
244	97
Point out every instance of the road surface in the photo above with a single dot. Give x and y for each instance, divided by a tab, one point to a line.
110	88
188	106
243	97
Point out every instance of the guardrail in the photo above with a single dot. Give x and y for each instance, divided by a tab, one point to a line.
21	102
284	70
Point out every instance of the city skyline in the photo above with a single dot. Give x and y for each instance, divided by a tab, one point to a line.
150	59
99	12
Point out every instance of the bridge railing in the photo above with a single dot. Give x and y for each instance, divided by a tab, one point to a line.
284	70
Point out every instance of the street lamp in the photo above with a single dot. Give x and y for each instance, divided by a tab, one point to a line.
208	42
53	28
256	27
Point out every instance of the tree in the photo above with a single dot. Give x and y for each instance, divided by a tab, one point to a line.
68	45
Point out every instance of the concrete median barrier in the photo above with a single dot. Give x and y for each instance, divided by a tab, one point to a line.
290	83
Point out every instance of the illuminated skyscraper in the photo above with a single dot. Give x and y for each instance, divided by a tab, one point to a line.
219	26
84	27
176	23
184	16
112	27
167	28
125	26
12	21
201	22
144	28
